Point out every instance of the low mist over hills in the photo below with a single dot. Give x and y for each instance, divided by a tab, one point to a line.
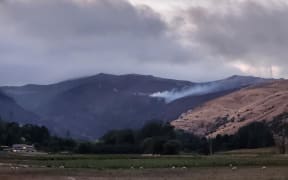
88	107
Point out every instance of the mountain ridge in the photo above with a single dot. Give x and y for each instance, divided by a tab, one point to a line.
90	106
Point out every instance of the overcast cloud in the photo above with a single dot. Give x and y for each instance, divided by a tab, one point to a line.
245	33
43	41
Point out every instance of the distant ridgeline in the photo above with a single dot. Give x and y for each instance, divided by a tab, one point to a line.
154	137
86	106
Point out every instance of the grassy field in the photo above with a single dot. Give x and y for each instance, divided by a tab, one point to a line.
207	173
251	164
135	161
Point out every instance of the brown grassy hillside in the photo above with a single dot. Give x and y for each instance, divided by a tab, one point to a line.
227	114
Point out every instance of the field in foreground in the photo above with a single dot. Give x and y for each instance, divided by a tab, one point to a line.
102	162
250	164
222	173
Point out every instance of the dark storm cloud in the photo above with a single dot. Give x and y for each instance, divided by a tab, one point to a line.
103	26
66	37
45	41
65	19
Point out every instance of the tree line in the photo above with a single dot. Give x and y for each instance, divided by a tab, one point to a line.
161	138
155	137
279	126
39	136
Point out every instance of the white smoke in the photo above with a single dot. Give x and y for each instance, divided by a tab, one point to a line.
174	94
234	82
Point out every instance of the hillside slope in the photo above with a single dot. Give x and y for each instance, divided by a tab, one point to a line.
227	114
34	97
88	107
11	111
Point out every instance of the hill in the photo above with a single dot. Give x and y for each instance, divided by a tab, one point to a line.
225	115
90	106
10	110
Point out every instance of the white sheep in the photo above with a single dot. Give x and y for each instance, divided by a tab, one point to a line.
71	178
14	168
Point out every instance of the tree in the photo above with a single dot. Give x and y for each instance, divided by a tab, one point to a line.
85	148
115	137
13	134
156	129
279	126
254	135
35	135
172	147
191	142
153	145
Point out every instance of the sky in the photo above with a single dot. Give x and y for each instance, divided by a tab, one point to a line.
46	41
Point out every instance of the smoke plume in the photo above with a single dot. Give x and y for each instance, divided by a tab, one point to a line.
233	82
196	90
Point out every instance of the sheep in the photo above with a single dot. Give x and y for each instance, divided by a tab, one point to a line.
24	166
264	167
14	168
71	178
